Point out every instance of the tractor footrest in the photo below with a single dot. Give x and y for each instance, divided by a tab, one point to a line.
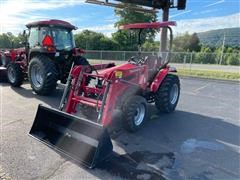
88	101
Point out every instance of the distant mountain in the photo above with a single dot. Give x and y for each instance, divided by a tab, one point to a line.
215	37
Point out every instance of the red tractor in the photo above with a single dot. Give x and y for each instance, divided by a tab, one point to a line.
128	87
47	57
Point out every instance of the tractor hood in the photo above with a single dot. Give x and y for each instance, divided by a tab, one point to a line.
123	67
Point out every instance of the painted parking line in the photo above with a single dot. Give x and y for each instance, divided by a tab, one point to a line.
201	88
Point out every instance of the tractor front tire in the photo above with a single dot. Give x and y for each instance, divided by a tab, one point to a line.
15	74
43	75
167	95
135	112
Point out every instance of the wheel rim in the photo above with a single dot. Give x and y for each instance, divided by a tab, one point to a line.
36	76
139	114
174	94
11	75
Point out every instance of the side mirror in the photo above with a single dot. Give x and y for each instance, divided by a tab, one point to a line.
25	42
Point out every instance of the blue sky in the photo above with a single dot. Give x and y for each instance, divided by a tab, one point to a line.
200	15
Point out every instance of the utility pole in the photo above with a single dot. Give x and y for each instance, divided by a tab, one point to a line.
223	44
165	17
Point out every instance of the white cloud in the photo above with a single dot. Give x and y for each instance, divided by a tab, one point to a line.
181	13
111	19
207	11
205	24
14	14
213	4
105	29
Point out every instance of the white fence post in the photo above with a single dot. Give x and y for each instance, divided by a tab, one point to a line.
191	58
184	61
101	55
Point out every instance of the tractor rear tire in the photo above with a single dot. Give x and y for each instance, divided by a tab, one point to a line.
43	75
135	112
167	95
4	60
15	74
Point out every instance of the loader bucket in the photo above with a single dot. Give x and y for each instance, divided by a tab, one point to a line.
80	139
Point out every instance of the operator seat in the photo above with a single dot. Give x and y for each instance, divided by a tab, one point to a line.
153	63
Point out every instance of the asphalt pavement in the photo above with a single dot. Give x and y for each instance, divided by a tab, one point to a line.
200	140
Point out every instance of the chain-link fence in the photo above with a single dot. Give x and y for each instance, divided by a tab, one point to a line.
184	60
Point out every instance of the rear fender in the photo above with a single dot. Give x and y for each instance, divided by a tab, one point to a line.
23	66
160	77
21	59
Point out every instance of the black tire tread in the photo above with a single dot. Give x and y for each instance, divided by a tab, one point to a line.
50	82
162	95
129	108
6	62
19	74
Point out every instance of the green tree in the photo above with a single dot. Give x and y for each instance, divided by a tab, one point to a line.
151	46
91	40
187	42
233	56
234	59
205	56
194	43
128	40
19	41
6	40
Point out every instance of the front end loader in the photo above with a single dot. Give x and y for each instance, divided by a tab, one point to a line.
102	89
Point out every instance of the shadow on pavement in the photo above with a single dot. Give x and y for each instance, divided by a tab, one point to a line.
173	132
144	158
52	100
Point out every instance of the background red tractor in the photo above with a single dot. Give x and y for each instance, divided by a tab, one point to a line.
47	57
126	88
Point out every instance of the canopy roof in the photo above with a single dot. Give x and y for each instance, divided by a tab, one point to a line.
53	22
151	25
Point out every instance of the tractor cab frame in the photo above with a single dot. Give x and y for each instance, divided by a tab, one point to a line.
47	57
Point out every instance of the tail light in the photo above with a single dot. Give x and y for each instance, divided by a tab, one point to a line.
48	43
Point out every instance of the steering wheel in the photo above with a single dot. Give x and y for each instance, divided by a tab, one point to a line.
89	69
138	60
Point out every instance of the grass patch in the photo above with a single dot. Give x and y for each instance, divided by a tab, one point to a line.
210	74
